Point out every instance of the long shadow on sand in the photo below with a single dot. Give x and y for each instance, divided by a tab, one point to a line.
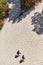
14	9
15	14
25	13
37	22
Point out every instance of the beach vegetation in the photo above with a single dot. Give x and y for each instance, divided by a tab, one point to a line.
26	4
3	11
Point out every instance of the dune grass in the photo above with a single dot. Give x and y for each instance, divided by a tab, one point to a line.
26	4
3	11
1	24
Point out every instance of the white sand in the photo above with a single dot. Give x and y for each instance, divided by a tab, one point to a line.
20	36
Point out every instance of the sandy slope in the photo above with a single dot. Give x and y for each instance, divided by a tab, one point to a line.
20	36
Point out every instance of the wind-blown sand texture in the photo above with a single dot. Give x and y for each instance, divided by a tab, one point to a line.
20	36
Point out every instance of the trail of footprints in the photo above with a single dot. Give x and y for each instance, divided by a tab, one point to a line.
18	54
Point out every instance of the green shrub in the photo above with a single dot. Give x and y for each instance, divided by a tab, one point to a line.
3	11
1	24
26	4
3	8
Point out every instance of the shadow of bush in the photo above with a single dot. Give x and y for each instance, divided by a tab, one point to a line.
37	22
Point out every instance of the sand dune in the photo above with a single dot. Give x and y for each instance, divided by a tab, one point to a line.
20	36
